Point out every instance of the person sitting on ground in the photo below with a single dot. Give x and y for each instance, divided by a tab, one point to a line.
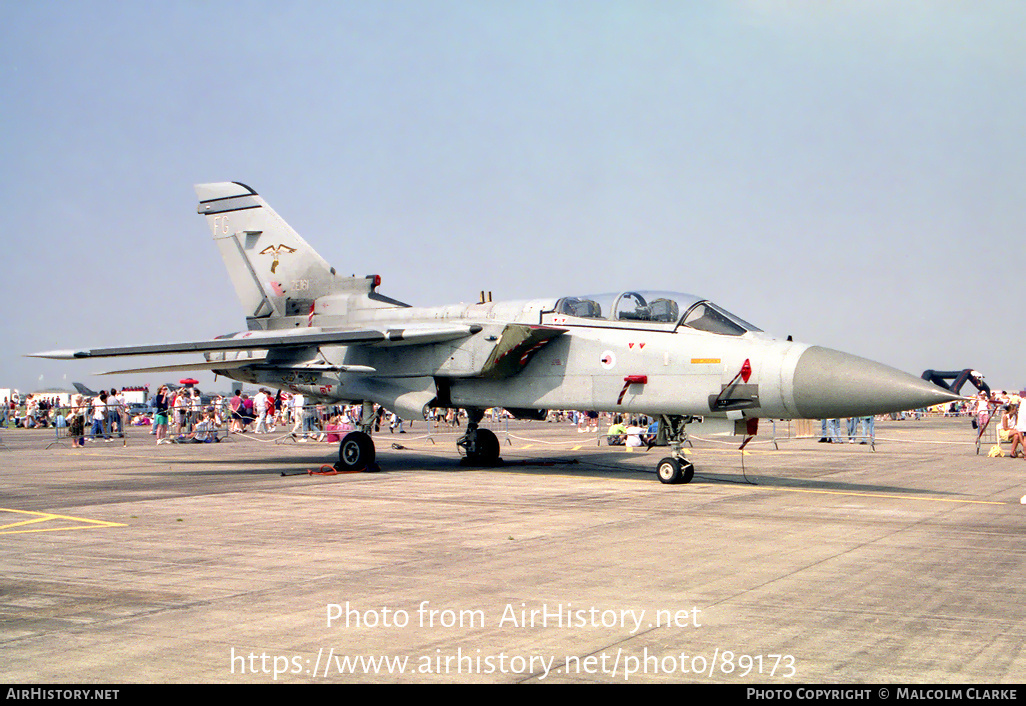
651	434
617	433
203	431
344	421
332	429
1018	433
634	434
1008	418
217	412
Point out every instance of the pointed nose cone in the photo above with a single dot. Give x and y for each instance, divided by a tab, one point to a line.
829	383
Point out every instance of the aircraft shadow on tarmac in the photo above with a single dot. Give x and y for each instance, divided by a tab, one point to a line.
595	466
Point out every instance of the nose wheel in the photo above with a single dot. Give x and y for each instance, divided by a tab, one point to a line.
672	471
481	448
480	445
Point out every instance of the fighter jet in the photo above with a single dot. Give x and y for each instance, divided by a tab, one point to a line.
677	357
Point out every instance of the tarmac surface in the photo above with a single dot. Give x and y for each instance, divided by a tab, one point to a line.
204	563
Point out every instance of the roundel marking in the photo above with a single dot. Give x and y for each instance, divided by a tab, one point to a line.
608	360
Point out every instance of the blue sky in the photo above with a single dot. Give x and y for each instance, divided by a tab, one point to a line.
850	173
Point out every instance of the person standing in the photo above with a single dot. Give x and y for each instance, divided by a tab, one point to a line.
100	416
982	412
272	410
161	405
76	430
868	429
260	409
247	411
395	422
831	431
298	412
235	403
181	410
115	408
195	407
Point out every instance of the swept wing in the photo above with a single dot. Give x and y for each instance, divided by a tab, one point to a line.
261	340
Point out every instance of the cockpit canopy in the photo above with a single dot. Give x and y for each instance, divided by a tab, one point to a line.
651	308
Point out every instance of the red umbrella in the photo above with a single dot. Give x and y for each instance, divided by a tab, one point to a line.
189	381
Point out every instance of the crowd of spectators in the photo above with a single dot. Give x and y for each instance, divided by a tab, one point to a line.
36	412
182	415
1011	425
264	413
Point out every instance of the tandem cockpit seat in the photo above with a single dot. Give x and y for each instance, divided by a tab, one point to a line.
584	308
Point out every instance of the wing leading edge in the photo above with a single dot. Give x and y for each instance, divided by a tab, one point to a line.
261	340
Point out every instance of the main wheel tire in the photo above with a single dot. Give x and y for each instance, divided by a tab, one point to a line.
487	447
669	471
356	452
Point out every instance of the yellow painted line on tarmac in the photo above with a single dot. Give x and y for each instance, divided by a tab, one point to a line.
38	517
894	497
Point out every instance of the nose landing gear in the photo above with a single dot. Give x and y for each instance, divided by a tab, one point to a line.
675	468
481	446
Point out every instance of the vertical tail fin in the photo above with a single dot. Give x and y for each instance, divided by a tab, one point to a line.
274	271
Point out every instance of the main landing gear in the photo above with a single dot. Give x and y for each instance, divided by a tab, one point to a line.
675	468
481	446
356	451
